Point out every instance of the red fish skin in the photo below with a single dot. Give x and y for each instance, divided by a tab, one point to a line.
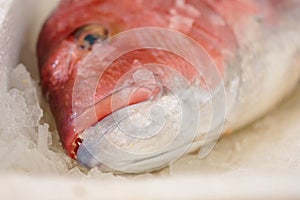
60	59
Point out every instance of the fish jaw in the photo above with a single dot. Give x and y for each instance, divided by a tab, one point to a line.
141	137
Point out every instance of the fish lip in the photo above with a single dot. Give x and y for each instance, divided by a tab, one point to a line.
134	166
86	159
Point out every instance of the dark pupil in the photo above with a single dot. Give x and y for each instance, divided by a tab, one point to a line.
91	39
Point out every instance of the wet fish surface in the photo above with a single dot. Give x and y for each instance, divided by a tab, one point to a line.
135	84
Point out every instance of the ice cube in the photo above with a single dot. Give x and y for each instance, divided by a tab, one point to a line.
44	138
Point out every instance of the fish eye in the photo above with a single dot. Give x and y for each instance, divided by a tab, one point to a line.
91	39
89	35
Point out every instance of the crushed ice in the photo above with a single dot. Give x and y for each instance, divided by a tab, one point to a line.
25	143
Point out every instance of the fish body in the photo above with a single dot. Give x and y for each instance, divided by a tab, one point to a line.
102	59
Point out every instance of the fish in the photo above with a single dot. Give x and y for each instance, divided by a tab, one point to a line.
134	84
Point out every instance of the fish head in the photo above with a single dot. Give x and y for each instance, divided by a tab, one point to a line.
123	86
